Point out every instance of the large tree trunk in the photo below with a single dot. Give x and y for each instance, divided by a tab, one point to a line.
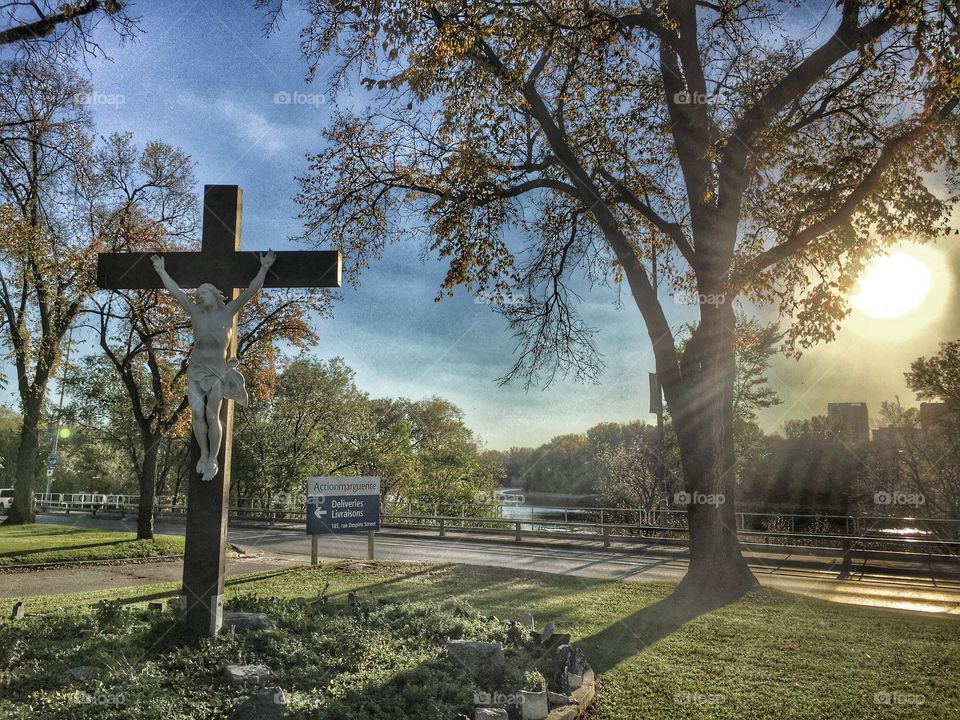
716	564
21	511
148	486
703	418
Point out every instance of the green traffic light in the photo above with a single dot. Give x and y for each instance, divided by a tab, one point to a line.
64	433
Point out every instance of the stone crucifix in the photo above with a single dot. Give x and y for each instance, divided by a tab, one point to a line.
213	379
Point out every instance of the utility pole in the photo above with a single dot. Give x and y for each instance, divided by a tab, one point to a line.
56	429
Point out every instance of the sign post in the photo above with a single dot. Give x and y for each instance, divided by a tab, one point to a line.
342	505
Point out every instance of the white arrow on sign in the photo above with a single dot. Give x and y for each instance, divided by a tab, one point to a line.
319	513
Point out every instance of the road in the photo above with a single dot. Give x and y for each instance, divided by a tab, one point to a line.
880	585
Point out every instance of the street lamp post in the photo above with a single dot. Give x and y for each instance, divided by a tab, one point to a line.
56	430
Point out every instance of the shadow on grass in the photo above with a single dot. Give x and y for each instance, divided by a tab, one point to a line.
40	530
65	548
397	579
637	632
239	580
257	577
175	592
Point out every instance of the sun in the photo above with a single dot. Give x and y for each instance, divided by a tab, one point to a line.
892	286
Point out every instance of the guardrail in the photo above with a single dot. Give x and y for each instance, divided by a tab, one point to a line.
863	532
612	531
89	502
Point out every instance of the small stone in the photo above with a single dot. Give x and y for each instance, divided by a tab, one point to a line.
490	714
476	655
177	604
243	621
246	674
84	672
557	699
155	607
17	611
461	612
268	704
573	659
533	705
548	630
571	668
527	621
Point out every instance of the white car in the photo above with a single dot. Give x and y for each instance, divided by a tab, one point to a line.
6	498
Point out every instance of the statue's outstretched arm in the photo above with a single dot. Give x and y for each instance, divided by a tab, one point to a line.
170	284
266	261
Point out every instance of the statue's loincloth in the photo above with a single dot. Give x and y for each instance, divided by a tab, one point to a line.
225	375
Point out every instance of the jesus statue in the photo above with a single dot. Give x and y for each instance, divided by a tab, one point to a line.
211	376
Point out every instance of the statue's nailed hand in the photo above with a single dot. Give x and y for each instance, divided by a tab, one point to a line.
267	259
157	262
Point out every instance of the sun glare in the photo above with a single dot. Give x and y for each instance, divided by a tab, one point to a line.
892	286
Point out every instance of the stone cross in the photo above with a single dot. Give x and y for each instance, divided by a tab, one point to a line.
220	263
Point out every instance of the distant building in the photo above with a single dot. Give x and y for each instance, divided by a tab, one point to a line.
853	420
931	413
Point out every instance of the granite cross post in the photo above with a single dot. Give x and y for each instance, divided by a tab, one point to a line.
221	263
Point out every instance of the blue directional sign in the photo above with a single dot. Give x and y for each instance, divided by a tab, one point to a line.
52	460
342	504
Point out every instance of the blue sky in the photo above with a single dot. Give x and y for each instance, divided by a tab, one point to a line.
204	78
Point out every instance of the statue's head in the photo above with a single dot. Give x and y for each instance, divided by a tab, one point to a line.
208	297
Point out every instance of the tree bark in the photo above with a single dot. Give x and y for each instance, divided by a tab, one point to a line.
703	419
148	485
21	511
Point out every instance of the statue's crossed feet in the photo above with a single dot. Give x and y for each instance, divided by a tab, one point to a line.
207	468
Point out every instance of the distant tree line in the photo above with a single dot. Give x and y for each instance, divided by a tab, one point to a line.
316	421
810	467
611	464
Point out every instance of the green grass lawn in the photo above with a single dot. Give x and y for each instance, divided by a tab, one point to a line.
20	544
769	655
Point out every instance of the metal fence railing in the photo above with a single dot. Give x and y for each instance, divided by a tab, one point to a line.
846	532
